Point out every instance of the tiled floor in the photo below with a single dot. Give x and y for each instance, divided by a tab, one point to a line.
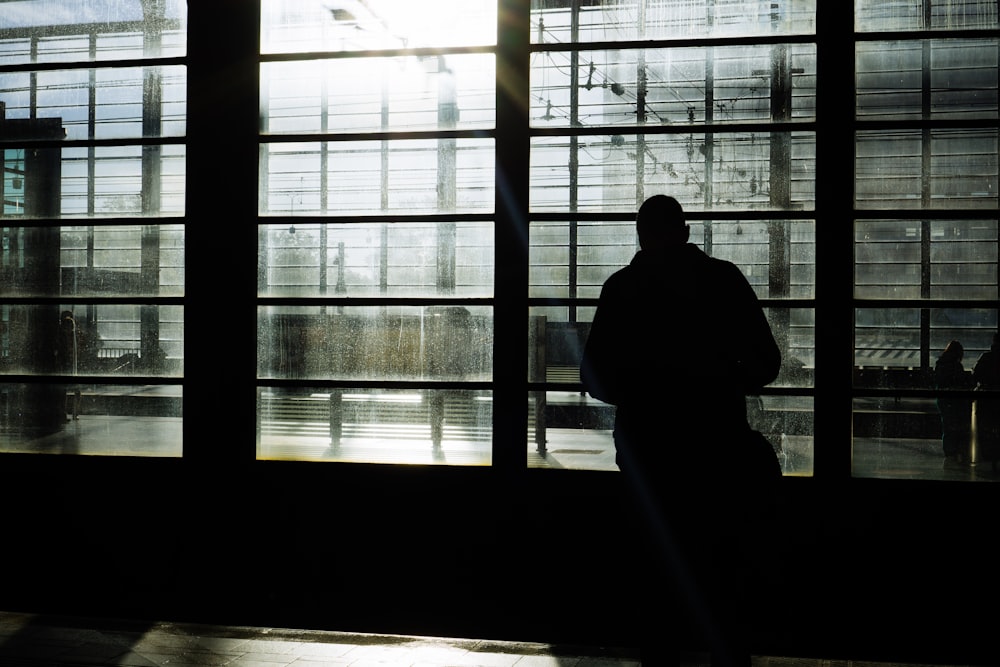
30	641
38	641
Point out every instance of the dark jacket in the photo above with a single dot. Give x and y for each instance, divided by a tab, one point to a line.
987	370
950	374
678	341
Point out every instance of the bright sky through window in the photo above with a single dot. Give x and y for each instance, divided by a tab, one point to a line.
436	23
295	26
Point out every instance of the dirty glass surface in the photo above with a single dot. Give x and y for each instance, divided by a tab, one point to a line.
377	259
91	352
364	425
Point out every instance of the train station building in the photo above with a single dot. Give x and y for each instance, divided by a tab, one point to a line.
293	297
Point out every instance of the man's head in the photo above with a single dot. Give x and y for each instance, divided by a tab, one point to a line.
660	223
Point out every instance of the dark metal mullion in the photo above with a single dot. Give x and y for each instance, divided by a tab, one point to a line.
324	160
446	179
91	150
510	348
222	138
640	111
383	279
834	314
709	144
151	178
997	272
779	231
574	157
925	198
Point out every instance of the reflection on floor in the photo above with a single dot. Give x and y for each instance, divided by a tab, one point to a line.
30	641
35	641
376	448
913	458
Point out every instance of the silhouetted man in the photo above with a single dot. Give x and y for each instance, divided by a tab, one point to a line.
678	341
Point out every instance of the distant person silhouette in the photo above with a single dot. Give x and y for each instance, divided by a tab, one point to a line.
956	413
678	341
986	373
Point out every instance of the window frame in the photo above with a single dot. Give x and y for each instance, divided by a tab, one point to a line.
223	120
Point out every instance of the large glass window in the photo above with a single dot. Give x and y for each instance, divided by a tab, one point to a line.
925	239
92	267
612	127
433	212
378	191
376	237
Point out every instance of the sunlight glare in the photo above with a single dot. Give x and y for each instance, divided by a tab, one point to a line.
438	22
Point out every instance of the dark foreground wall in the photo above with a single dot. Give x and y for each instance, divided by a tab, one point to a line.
869	569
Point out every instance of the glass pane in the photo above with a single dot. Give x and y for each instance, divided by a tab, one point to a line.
123	102
961	172
677	86
787	423
80	352
111	420
722	170
960	261
889	351
371	177
91	339
795	331
131	260
379	94
418	426
293	26
886	338
383	259
573	259
128	29
961	81
949	435
907	438
552	22
887	259
973	327
897	438
556	344
117	181
875	15
432	343
570	430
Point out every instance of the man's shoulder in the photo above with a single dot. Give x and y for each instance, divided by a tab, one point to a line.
704	266
716	263
686	262
623	276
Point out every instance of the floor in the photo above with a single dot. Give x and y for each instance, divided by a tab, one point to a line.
32	641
